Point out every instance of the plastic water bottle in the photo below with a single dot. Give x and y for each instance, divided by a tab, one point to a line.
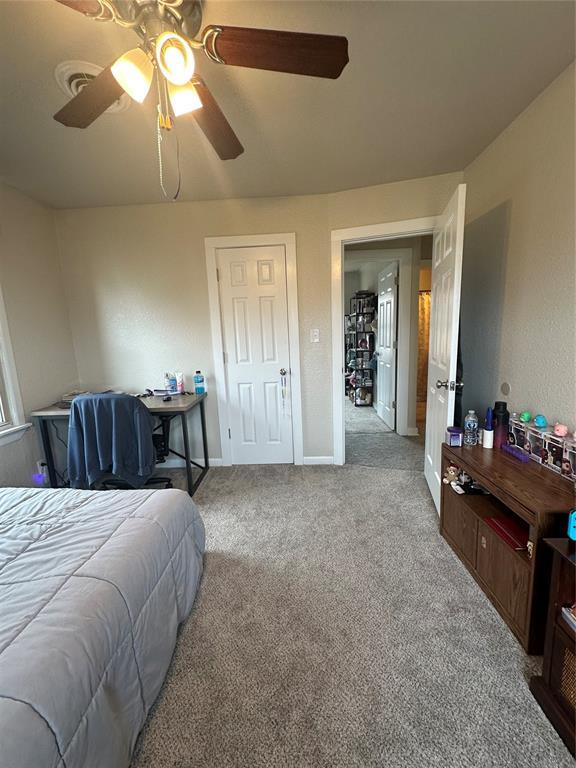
471	428
199	383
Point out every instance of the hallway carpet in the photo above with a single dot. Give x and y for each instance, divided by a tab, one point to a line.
362	419
370	443
333	630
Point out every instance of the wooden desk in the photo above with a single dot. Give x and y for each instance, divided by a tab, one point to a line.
179	406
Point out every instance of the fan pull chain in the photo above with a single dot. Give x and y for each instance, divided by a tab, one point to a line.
165	122
161	164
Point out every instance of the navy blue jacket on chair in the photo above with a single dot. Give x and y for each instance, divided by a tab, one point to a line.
110	433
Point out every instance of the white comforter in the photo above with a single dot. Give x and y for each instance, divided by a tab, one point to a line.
93	586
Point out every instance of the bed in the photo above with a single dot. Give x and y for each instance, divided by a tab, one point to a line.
93	586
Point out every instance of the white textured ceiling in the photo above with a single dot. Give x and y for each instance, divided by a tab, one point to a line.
428	86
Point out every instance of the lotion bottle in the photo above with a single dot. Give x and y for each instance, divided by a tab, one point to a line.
488	431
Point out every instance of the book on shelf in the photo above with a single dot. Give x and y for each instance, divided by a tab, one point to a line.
510	531
569	614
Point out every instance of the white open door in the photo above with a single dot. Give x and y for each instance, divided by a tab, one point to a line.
444	322
386	345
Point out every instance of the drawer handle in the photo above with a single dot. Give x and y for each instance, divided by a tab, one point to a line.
483	542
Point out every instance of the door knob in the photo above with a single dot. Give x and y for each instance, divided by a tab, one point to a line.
451	385
282	371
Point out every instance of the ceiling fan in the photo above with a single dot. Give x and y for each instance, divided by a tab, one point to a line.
169	32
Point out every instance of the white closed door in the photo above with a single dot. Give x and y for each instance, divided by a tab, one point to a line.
386	345
254	314
444	323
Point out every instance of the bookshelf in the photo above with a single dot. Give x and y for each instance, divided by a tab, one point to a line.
555	688
359	346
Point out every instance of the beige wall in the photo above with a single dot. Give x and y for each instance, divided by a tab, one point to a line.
518	299
351	285
136	283
425	278
131	300
38	323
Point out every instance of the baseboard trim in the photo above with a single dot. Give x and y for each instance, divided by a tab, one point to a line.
412	432
174	463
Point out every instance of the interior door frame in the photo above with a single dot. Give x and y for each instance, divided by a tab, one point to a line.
211	246
339	239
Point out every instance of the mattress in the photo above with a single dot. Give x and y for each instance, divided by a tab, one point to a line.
93	586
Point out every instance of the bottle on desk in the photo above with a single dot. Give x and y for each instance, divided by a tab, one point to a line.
501	424
488	431
199	383
471	428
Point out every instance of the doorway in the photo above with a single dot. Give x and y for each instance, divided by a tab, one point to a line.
383	346
448	237
407	319
254	318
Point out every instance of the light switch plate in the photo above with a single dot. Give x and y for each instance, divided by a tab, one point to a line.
314	335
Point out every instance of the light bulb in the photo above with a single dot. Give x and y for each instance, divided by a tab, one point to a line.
175	58
134	72
183	98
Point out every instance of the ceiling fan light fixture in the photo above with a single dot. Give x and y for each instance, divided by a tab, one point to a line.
175	58
134	72
183	98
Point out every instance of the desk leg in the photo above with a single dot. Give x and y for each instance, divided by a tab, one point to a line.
204	437
48	455
186	440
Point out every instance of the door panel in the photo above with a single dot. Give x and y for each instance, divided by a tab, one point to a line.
507	577
460	525
444	321
241	331
246	404
253	306
269	353
386	345
272	420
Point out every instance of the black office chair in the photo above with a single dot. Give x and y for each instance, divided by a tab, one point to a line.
112	444
161	442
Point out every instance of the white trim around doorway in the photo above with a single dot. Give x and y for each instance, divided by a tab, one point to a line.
211	246
339	239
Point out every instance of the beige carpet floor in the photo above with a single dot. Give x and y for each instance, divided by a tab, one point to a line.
362	419
370	443
334	628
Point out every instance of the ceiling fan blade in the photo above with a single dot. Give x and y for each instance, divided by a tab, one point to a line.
89	7
91	102
296	52
213	122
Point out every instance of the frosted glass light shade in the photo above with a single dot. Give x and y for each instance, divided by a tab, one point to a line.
175	58
134	72
183	98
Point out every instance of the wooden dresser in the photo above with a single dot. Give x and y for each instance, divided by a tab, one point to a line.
517	582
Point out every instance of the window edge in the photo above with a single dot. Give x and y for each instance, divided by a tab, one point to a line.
11	433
